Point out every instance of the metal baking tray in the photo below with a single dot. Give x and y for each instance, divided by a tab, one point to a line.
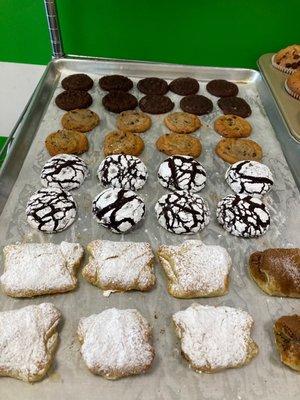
170	377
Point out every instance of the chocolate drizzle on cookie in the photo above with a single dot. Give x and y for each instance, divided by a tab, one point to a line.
51	210
249	177
182	212
244	216
123	171
118	209
64	171
182	173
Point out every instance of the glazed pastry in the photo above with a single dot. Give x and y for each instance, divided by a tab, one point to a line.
116	343
34	269
182	212
194	269
28	340
122	171
277	271
249	177
287	338
118	209
120	266
215	338
182	173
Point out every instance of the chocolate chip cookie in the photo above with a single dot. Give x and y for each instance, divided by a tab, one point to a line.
156	104
133	121
153	86
80	120
77	82
232	126
196	104
118	142
66	142
184	86
179	144
234	150
235	105
118	101
222	88
72	99
115	82
181	122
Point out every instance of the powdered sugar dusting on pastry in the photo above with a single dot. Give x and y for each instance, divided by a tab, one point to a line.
120	265
195	269
115	343
33	269
214	338
27	341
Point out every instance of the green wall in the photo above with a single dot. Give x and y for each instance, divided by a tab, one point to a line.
219	32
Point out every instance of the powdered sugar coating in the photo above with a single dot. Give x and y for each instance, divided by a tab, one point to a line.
214	338
120	266
249	177
195	269
33	269
115	343
244	216
64	171
118	209
182	212
122	171
182	173
51	210
27	341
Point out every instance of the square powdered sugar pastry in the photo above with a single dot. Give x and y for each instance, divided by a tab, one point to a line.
194	269
116	343
34	269
215	338
120	266
28	340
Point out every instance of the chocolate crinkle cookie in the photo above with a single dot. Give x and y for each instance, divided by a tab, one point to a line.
115	82
117	101
77	82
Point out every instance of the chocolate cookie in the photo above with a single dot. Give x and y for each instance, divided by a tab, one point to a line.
115	82
118	101
196	104
179	144
156	104
222	88
133	121
184	86
182	173
65	141
234	150
153	86
77	82
235	105
232	126
182	212
118	209
72	99
118	142
243	216
51	210
181	122
80	120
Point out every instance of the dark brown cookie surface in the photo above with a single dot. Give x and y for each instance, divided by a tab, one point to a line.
153	86
184	86
222	88
235	105
196	104
118	101
77	82
72	99
156	104
115	82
